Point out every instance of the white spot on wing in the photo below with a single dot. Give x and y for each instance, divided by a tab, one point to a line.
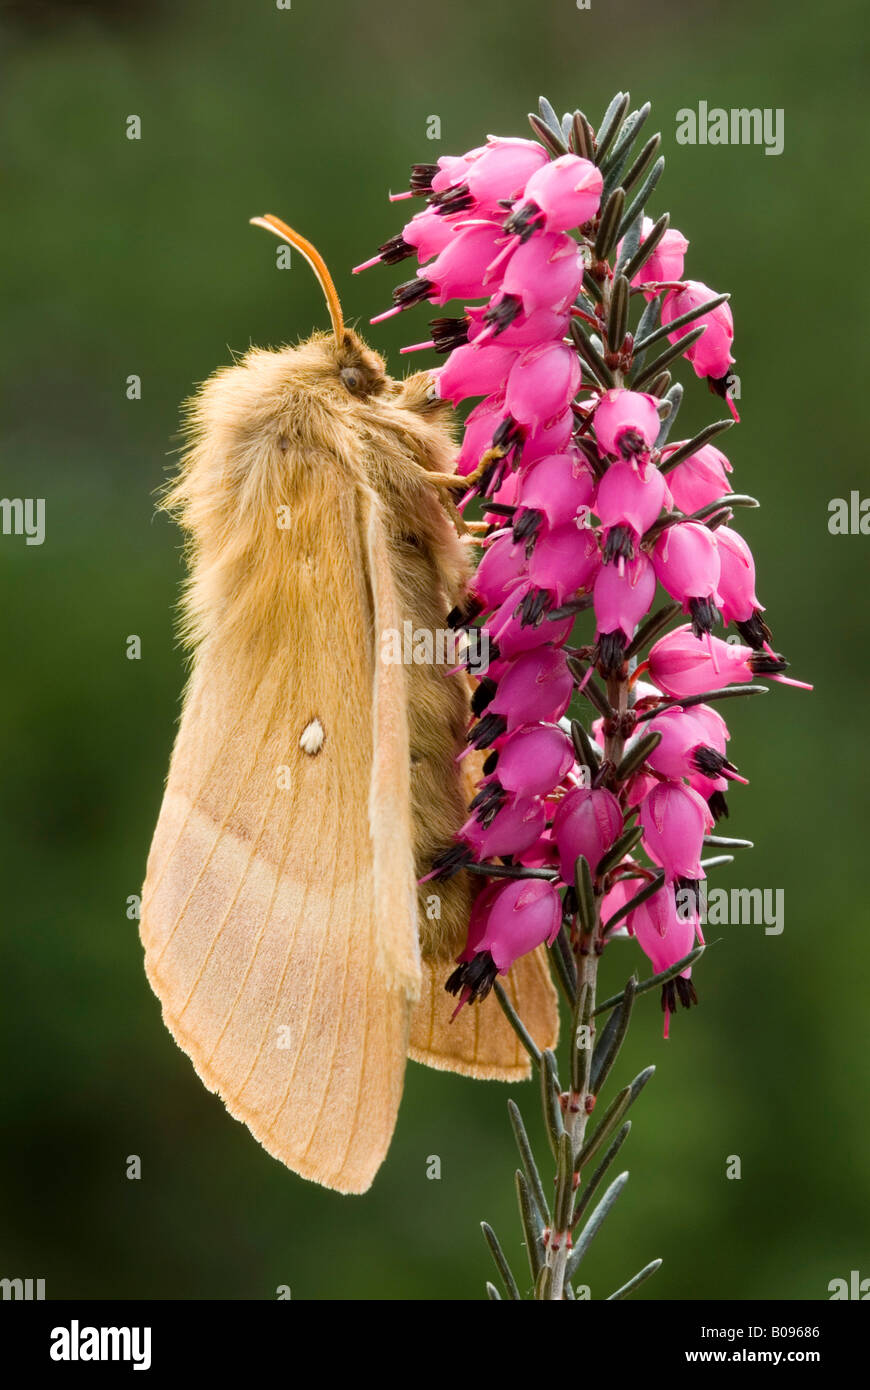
312	737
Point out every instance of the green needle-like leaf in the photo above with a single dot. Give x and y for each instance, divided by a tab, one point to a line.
609	224
593	692
612	1117
548	116
661	979
664	359
564	1186
554	143
582	139
642	163
617	322
563	961
531	1226
514	1020
630	243
530	1168
590	354
675	400
682	321
631	127
550	1091
621	847
638	203
612	1038
728	692
594	1224
648	631
585	895
635	1283
636	756
693	445
587	753
640	897
639	258
610	124
593	1183
502	1265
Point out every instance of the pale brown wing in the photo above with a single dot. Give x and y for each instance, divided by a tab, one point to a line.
480	1042
265	918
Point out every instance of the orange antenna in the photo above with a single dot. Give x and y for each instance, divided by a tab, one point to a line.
317	263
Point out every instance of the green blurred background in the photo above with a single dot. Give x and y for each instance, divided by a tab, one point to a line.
125	257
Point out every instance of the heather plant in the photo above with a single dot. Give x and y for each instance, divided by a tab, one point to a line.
575	311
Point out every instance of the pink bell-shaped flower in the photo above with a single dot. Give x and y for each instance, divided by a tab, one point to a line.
699	479
549	437
543	273
541	326
499	173
534	759
473	371
737	588
666	936
621	597
512	635
680	664
710	355
564	193
565	562
627	423
686	560
426	234
514	827
666	262
559	489
458	272
587	822
543	382
627	502
535	689
675	820
514	919
480	430
501	569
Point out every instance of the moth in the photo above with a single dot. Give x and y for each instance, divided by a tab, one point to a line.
312	782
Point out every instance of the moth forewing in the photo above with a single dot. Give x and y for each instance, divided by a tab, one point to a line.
311	781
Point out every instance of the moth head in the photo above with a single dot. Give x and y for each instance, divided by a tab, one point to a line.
341	364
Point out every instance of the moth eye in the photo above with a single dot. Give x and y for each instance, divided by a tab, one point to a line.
352	379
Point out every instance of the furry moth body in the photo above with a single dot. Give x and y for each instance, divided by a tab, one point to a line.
312	781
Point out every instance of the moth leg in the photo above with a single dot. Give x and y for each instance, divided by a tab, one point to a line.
453	481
